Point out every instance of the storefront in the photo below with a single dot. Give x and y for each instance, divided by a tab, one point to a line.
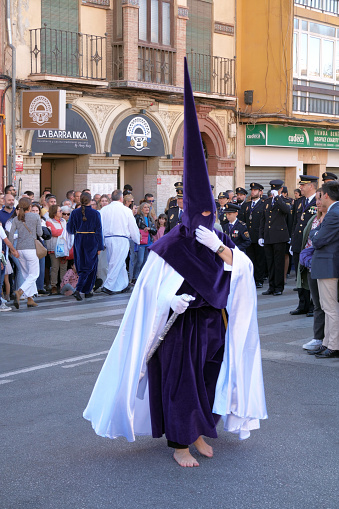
276	151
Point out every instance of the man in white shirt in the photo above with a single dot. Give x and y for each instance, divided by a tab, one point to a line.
118	226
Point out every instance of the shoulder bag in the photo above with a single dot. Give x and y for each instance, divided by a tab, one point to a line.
41	251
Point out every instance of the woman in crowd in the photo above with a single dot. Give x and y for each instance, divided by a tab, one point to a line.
28	227
36	209
304	279
104	200
85	225
147	229
57	225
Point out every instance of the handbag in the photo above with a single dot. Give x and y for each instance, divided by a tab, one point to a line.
144	237
41	251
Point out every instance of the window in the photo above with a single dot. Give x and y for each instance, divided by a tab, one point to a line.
155	21
315	51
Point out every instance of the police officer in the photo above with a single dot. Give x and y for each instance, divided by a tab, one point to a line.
235	229
175	212
253	211
328	176
172	202
241	201
273	234
304	209
221	208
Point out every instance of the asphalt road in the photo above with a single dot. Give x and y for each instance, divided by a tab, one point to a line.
51	459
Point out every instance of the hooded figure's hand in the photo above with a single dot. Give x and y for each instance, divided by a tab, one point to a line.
180	303
208	238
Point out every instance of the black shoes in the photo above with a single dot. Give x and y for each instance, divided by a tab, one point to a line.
318	351
298	312
77	295
277	293
309	314
268	292
259	285
89	295
107	291
98	283
128	288
42	292
327	354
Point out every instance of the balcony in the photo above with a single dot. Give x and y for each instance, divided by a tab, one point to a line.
157	71
67	54
212	75
328	6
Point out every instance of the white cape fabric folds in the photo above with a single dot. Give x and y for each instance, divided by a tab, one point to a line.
119	404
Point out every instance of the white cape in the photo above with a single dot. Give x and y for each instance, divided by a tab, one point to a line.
119	404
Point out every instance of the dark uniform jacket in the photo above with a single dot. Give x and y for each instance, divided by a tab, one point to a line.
239	234
222	218
301	217
273	225
253	218
241	215
173	218
289	218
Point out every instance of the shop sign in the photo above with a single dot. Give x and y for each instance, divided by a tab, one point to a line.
19	163
137	135
291	136
43	109
77	138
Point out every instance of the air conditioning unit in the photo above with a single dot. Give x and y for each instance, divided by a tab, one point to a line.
232	130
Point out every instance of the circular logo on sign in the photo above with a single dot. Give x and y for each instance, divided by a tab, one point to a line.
40	110
138	134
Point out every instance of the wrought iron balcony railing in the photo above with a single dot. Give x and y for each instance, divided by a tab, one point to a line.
212	75
62	53
331	6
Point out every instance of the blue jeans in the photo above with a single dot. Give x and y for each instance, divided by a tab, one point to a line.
41	278
19	279
132	260
142	255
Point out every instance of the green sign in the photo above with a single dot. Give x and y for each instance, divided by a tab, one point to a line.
269	135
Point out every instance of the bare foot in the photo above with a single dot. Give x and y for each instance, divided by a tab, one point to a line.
184	458
203	447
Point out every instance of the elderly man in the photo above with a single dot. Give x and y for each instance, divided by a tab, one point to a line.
118	226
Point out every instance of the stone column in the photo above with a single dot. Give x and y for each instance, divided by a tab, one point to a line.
130	15
180	44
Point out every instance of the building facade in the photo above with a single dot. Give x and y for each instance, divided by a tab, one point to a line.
288	88
120	63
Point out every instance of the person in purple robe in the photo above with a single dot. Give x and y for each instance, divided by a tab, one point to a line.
85	224
200	371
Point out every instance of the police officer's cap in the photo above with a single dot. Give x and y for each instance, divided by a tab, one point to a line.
178	184
240	190
223	195
276	184
255	185
329	176
307	179
231	207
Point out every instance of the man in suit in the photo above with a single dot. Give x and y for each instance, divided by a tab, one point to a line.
235	229
325	268
252	216
273	234
304	209
175	212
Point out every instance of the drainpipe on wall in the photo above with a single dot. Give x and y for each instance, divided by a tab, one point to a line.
11	165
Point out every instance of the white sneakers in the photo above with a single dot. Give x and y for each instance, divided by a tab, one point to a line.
4	308
313	344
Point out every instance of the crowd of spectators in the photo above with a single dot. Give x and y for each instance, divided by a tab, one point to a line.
271	227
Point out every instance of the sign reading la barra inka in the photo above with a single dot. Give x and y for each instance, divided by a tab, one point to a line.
43	109
77	138
269	135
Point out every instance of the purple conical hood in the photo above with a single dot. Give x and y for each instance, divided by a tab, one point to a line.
198	197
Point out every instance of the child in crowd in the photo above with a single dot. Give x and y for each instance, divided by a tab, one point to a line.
161	225
69	281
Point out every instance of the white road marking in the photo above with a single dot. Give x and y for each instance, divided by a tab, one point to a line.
72	306
112	323
52	364
5	381
86	316
83	362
